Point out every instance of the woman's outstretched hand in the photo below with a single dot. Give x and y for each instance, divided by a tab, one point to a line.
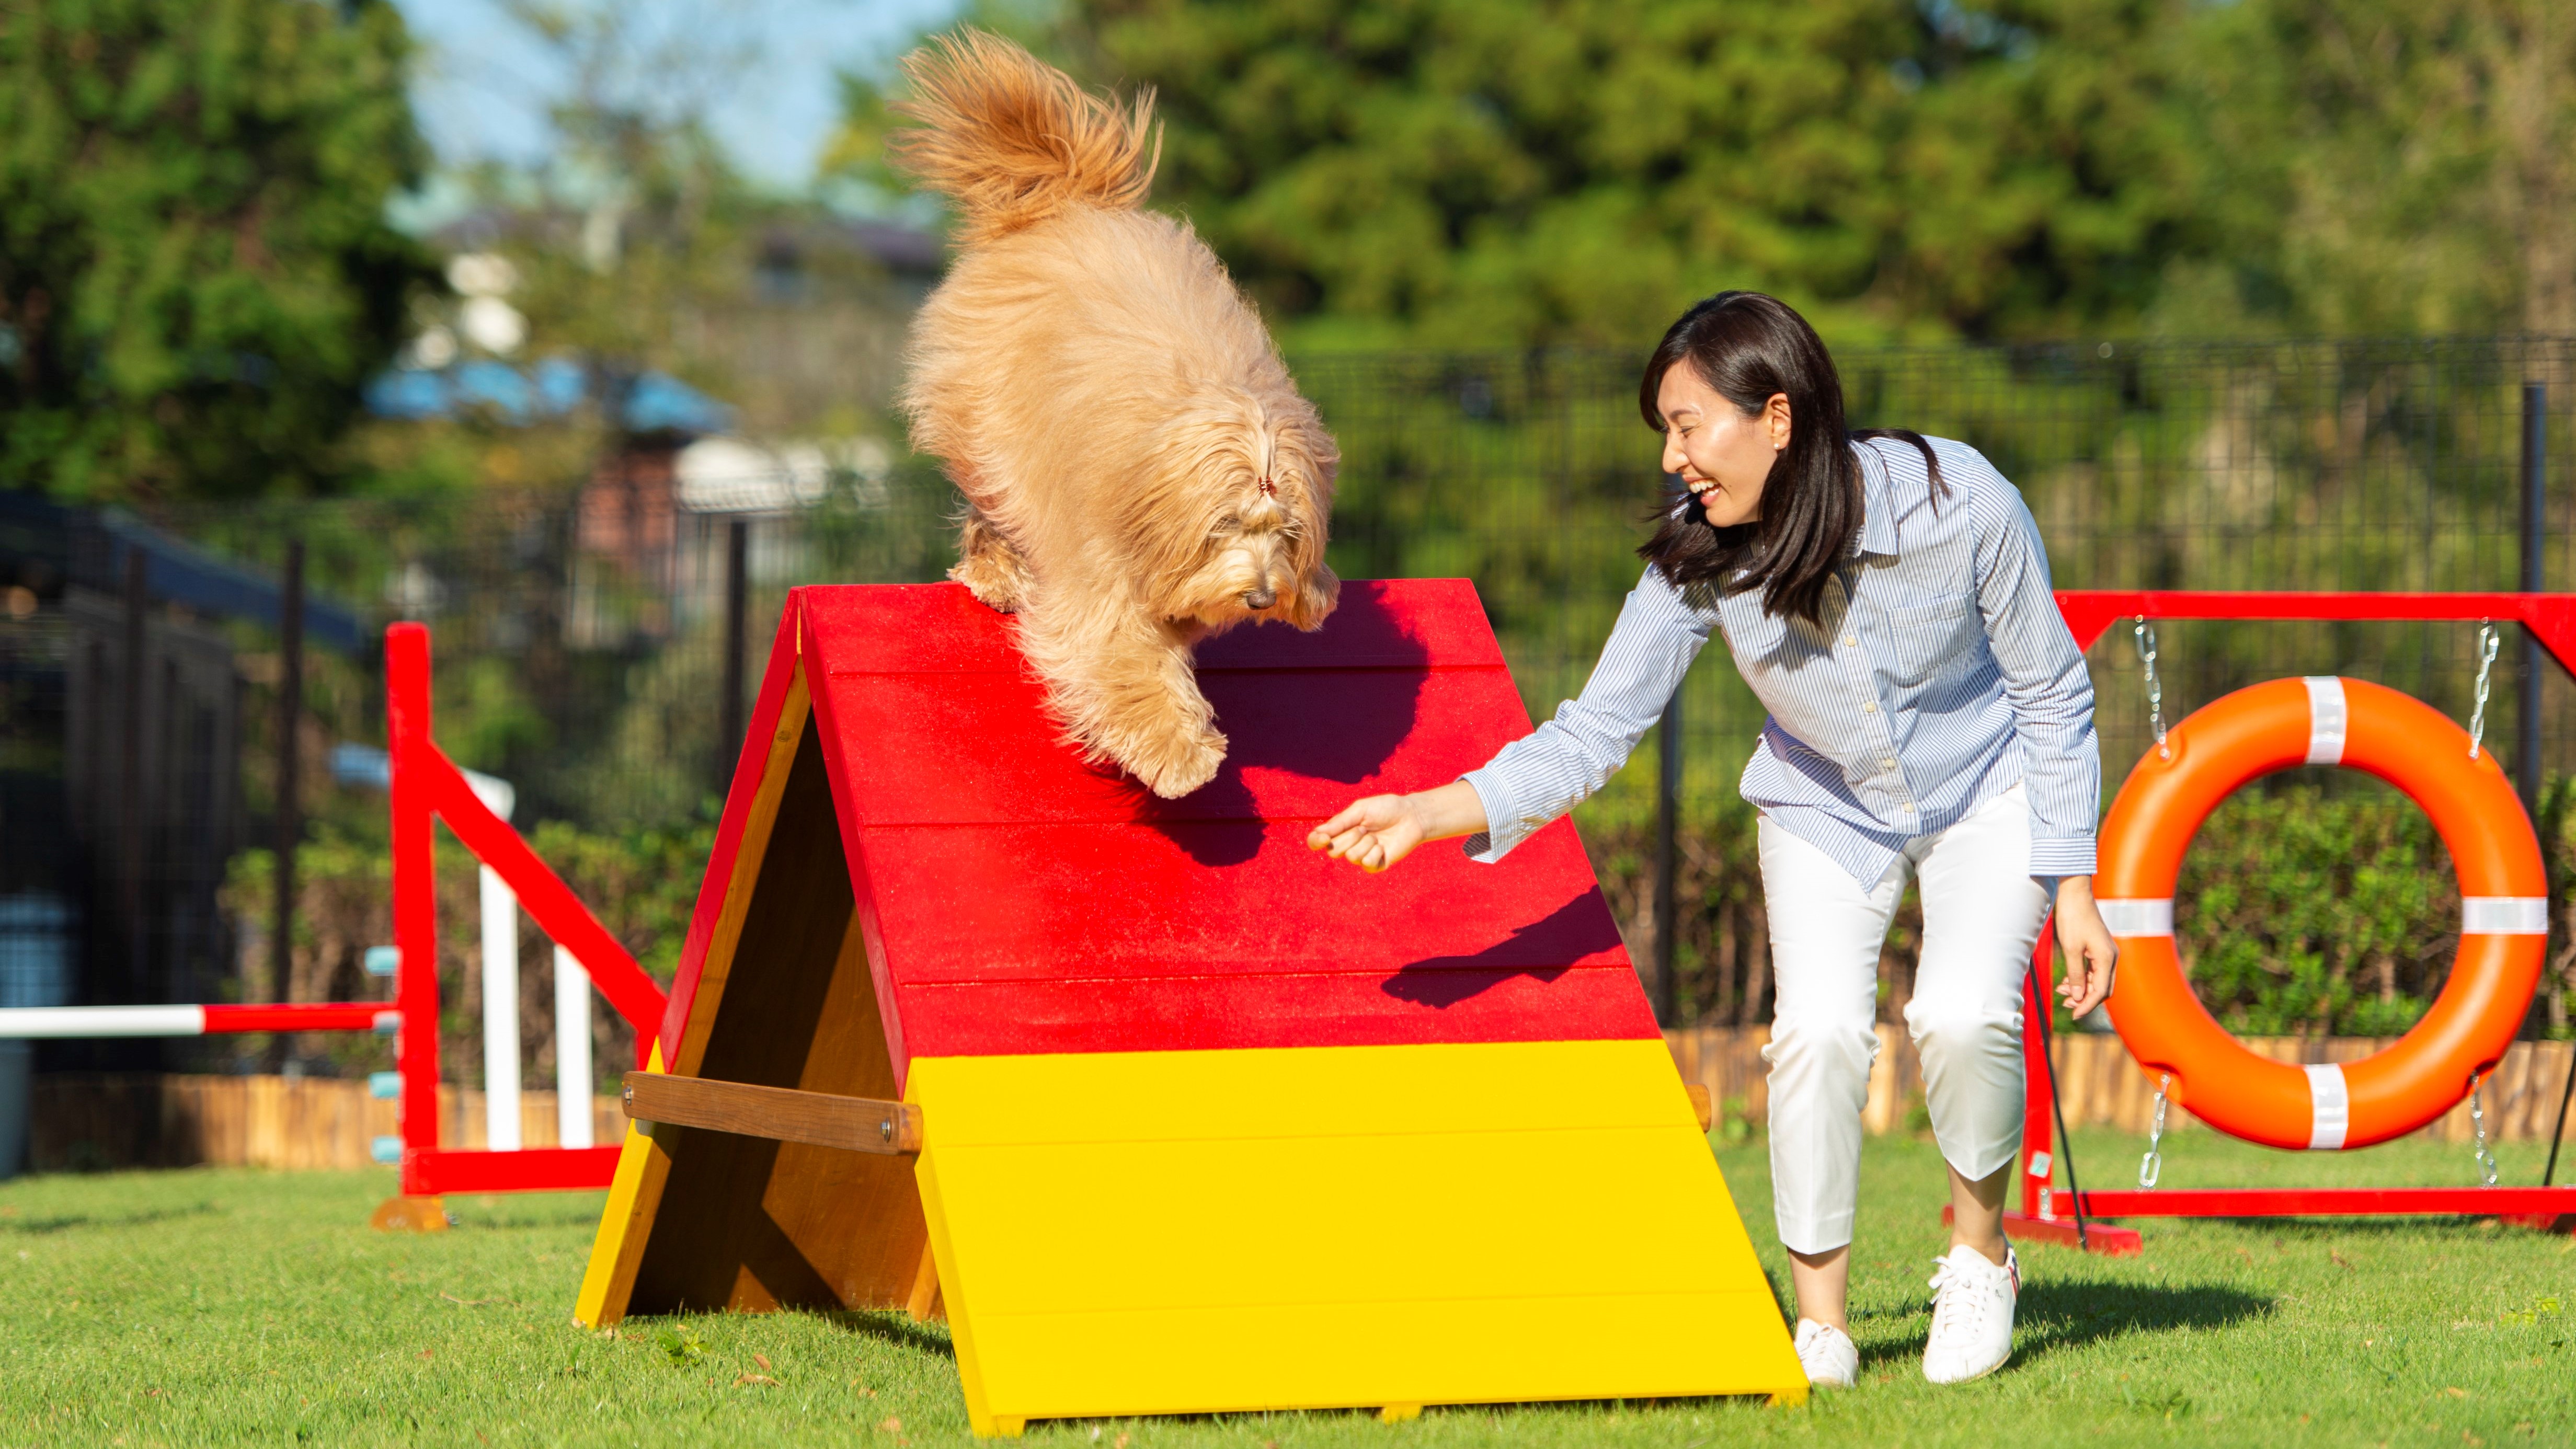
1376	832
2091	954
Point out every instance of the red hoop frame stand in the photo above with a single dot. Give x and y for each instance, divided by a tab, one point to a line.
2047	1214
426	786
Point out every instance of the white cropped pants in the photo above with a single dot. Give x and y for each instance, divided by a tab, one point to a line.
1982	914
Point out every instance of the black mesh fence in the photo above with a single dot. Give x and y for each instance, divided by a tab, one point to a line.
2367	466
578	629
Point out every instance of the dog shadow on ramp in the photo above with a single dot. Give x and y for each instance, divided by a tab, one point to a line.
1336	705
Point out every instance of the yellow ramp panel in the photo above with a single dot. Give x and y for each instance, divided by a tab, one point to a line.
617	1219
1192	1232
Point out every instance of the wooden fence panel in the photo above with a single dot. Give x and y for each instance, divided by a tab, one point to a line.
93	1121
2100	1086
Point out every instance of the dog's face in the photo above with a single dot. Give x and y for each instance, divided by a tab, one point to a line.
1264	494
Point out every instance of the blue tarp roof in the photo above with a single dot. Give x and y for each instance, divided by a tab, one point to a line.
655	401
90	548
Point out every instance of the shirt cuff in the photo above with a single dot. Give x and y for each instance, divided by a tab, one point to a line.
2061	858
1502	820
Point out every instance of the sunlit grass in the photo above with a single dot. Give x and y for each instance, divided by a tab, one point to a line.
224	1306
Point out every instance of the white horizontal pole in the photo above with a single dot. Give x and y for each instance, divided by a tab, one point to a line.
100	1021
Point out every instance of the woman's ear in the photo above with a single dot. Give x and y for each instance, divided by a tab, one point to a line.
1775	419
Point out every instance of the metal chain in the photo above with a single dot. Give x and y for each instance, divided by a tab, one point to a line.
2478	1121
2146	637
2153	1166
2489	637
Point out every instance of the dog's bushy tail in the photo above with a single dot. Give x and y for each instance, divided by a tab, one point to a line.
1014	140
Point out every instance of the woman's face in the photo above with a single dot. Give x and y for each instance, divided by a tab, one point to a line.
1722	452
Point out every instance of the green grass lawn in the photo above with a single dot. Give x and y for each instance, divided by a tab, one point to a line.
226	1306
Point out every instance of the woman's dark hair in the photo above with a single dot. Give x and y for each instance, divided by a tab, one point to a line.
1747	347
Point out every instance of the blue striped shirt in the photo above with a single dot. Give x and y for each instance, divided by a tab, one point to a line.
1941	675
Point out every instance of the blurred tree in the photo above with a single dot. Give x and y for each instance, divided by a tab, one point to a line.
635	218
1507	172
196	275
630	243
2387	165
2041	180
635	241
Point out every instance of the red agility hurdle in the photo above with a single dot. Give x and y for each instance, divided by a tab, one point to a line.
2051	1212
426	785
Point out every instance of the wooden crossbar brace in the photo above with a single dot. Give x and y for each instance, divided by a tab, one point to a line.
853	1124
781	1114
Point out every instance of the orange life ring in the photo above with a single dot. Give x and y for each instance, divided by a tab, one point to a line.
2504	900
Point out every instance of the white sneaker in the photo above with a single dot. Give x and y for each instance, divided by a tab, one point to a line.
1972	1315
1827	1354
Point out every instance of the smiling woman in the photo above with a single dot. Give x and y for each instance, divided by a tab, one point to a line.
1886	597
1758	411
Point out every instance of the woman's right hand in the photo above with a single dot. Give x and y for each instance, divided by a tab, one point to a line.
1376	832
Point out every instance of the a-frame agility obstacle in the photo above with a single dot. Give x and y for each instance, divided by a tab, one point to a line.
1166	1113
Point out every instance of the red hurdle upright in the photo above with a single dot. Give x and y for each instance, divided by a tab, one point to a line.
426	785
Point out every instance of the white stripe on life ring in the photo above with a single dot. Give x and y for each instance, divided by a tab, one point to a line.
2329	1107
2504	915
2140	916
2328	717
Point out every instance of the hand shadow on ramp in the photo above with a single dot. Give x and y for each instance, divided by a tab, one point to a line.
1579	928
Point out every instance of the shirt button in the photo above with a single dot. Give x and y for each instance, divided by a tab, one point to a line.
1871	708
1908	807
1850	639
1887	764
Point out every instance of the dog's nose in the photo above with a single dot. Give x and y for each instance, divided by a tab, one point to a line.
1260	598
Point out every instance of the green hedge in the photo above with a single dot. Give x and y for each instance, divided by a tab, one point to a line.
2302	910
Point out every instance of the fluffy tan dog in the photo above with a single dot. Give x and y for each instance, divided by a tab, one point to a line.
1138	468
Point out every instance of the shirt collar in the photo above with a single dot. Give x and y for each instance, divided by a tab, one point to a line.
1877	506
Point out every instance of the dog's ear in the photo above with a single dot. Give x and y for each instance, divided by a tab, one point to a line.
1316	592
1197	469
1311	458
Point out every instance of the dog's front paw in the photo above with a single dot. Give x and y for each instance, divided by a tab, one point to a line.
1184	766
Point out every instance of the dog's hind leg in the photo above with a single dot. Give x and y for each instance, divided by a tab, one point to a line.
987	564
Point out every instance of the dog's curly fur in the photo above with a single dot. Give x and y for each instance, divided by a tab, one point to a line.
1139	469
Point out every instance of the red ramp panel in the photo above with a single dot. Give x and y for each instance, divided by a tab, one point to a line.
1207	1122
